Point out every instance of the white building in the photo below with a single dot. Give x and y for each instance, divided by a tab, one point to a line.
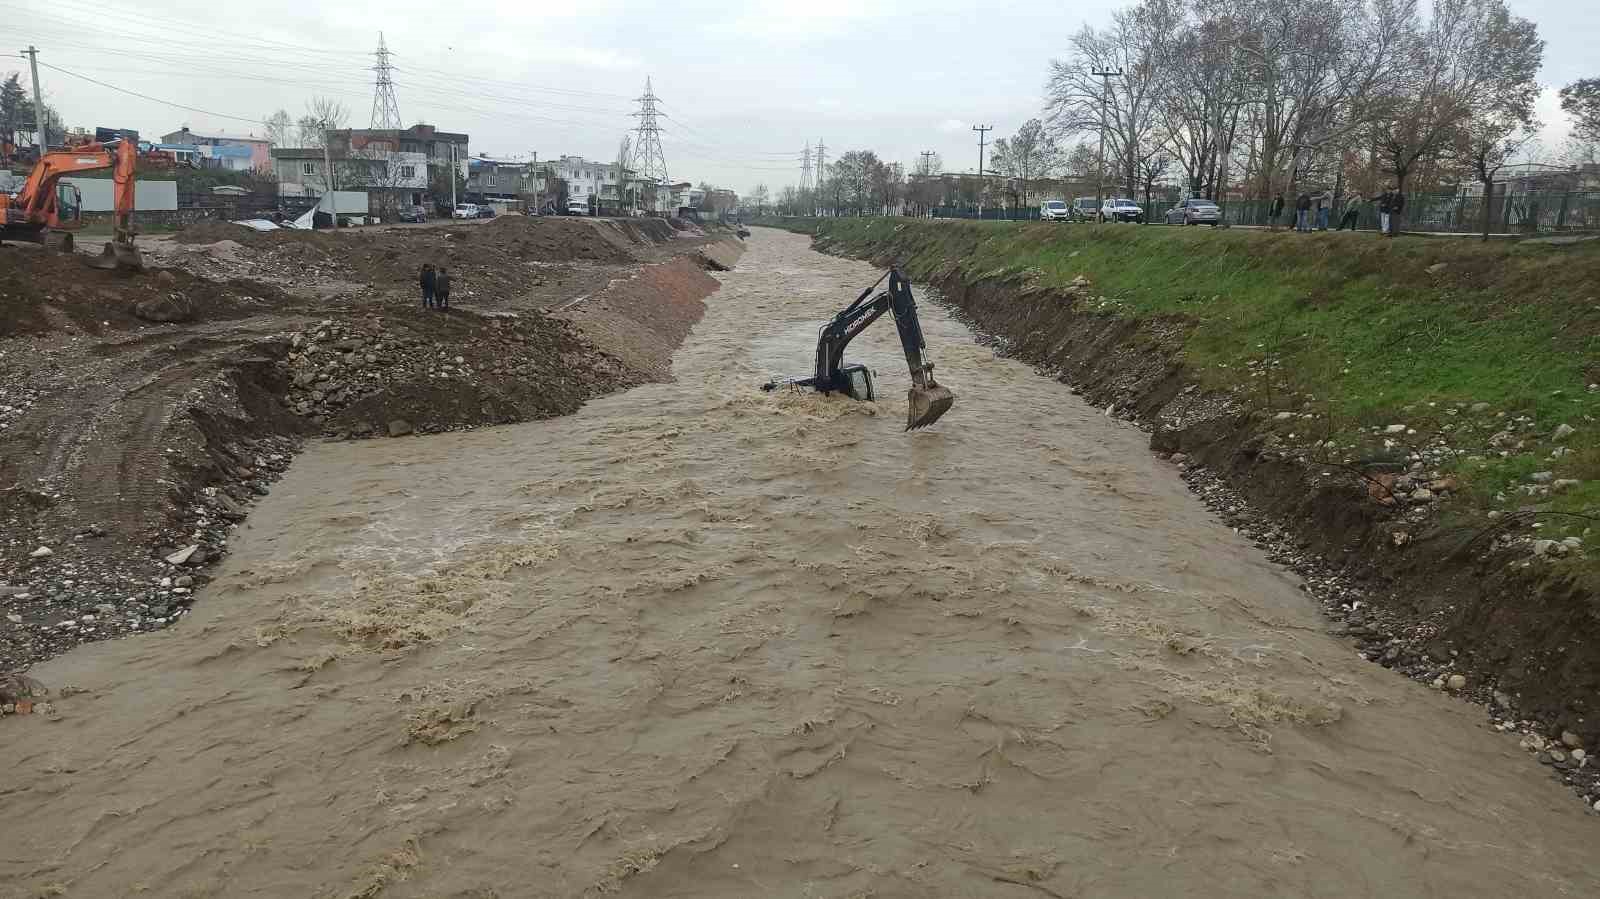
586	178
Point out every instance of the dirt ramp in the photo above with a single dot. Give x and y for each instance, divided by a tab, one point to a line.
641	321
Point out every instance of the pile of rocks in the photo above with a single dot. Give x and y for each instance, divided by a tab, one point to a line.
373	360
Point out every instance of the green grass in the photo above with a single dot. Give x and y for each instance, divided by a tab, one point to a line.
1355	327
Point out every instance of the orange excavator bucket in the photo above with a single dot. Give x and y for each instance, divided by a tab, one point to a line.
119	255
120	252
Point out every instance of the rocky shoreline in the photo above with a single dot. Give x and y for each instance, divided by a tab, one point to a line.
1339	530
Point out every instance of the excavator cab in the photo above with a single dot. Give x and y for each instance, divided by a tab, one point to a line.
857	383
69	206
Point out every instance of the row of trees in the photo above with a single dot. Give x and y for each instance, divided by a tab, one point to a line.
1258	98
1279	93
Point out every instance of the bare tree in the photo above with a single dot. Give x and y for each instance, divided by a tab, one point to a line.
308	129
1030	154
1474	59
279	128
849	180
1077	100
1581	100
624	182
1318	68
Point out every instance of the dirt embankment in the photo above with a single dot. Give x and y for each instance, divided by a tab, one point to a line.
1419	590
140	416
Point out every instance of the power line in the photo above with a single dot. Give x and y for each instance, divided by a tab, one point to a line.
220	115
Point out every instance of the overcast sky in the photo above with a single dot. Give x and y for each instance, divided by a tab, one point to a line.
744	84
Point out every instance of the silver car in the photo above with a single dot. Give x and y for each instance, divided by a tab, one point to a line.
1194	212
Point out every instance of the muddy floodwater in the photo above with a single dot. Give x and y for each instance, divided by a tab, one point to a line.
696	640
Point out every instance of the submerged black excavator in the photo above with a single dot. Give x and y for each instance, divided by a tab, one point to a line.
926	399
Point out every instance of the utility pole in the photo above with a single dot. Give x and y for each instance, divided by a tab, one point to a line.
38	101
983	132
927	176
822	157
1105	76
452	179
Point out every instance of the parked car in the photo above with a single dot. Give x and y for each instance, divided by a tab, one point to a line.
485	211
577	207
1054	211
1120	209
465	211
1085	209
1194	211
413	214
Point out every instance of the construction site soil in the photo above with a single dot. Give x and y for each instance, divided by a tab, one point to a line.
140	415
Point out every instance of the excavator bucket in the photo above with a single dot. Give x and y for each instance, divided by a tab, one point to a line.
121	256
926	404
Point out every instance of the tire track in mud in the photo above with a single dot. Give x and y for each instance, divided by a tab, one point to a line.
696	640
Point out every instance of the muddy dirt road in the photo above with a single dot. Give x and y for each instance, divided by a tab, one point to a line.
695	640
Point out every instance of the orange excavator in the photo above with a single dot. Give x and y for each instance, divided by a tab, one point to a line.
47	211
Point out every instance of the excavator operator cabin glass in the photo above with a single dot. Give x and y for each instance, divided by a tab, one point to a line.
68	205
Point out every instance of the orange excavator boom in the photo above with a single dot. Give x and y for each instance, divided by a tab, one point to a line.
36	214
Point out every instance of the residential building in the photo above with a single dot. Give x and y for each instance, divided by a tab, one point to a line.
501	179
391	179
585	178
440	147
237	154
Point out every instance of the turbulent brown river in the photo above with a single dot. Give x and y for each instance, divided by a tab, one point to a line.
697	640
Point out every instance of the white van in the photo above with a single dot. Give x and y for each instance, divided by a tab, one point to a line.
577	207
1054	211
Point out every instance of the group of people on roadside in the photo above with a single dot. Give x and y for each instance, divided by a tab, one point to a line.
1313	210
435	287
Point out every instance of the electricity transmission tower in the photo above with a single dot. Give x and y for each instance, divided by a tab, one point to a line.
385	108
648	160
805	169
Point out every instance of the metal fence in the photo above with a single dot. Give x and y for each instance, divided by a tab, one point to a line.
1026	214
1457	212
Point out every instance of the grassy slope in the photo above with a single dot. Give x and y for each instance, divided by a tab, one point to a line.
1355	328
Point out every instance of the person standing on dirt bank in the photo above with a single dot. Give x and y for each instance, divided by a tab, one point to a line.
1277	210
441	288
428	282
1302	212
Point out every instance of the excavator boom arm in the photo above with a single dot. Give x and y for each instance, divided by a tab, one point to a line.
927	400
37	199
